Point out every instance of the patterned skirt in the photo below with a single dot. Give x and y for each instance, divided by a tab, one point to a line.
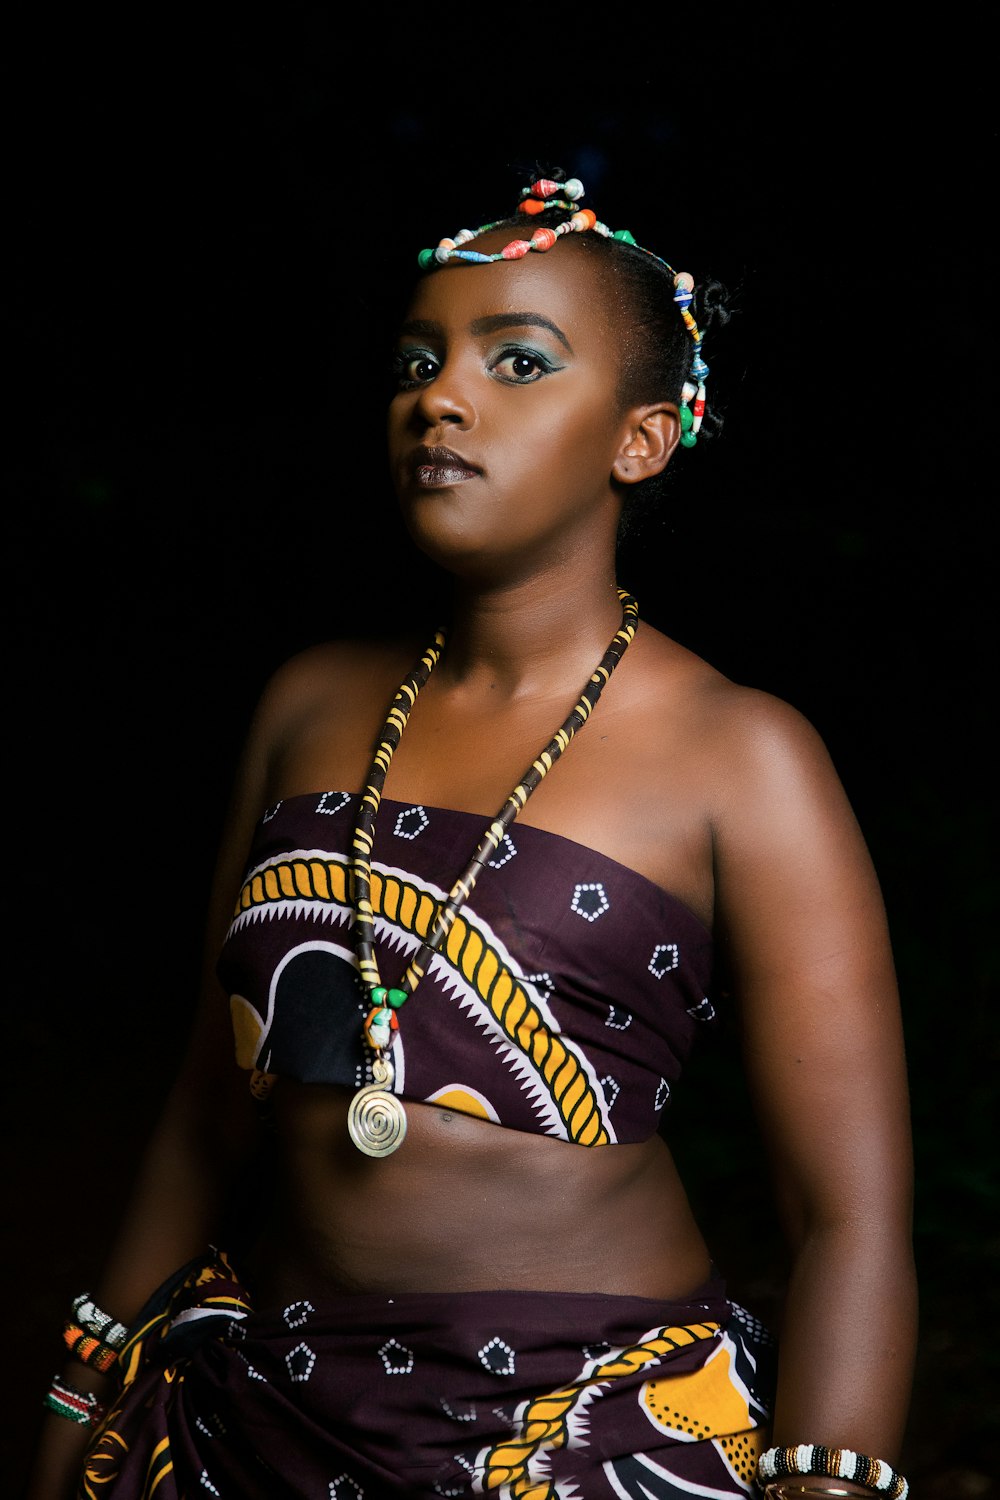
519	1395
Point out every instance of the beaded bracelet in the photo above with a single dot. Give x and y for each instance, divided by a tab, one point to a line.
64	1400
833	1463
99	1324
788	1489
93	1353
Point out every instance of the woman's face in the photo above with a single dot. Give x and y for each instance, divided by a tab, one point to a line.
505	426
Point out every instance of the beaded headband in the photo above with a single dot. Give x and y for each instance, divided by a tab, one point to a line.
534	200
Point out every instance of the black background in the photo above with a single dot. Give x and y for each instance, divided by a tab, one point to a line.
206	223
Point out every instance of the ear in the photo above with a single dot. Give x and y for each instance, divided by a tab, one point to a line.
651	433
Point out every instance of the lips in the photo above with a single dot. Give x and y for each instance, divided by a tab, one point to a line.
435	468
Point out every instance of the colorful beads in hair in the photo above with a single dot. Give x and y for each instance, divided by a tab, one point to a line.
547	193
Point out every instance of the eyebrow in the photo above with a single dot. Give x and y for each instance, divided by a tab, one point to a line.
424	327
520	320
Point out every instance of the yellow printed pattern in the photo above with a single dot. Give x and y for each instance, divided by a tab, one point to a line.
545	1423
108	1448
312	878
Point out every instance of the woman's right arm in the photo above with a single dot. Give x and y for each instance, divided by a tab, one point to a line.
204	1133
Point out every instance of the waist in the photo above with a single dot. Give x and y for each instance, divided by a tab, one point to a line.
465	1205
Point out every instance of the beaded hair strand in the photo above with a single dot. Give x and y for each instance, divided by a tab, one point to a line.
547	193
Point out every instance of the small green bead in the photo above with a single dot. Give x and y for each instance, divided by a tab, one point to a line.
378	994
687	418
425	259
623	234
688	439
396	998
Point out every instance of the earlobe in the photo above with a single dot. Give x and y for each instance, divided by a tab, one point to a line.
652	434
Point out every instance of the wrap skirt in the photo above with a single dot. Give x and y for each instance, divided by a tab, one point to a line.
523	1395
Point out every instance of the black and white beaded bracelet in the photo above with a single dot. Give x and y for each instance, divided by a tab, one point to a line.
99	1324
832	1463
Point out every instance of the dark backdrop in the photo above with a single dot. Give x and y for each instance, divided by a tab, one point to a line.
205	225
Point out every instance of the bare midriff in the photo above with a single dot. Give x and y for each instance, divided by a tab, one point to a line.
467	1205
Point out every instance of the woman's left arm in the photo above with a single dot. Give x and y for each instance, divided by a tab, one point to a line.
804	932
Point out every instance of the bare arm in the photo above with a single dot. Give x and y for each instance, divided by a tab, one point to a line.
203	1135
803	921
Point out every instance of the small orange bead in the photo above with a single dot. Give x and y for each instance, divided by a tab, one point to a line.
532	206
584	218
544	239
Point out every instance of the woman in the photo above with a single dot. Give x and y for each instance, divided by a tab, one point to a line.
476	1269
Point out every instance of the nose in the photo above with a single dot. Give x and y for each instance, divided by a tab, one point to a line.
445	400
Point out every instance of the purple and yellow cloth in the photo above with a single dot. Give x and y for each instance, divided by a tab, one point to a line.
523	1395
566	998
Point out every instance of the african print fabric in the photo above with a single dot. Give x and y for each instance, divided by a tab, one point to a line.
564	1001
513	1394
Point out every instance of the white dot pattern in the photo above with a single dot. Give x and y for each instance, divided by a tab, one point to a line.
505	853
252	1373
665	958
497	1356
411	823
459	1416
215	1427
397	1359
343	1488
297	1313
332	802
590	900
300	1362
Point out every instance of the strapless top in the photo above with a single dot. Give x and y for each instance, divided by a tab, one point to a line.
564	1001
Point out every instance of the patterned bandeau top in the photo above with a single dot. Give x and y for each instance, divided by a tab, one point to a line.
565	1000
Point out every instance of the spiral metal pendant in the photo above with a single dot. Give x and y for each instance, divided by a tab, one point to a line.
376	1121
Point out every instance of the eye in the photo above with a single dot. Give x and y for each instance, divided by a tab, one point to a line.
521	366
414	367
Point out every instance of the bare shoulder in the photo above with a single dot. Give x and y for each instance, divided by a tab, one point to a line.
754	765
788	853
334	667
743	734
762	742
341	677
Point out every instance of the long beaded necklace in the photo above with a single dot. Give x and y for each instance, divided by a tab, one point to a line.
376	1119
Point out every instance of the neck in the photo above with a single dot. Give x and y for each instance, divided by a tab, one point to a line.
524	637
